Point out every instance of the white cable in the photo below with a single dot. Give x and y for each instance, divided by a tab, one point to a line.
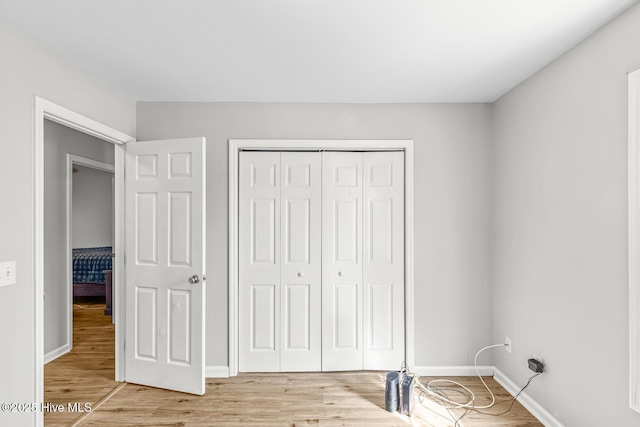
439	395
475	364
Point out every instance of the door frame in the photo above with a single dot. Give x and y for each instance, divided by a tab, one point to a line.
237	145
72	160
44	109
634	237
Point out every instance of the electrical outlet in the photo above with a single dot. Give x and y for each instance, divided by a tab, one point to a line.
507	344
7	273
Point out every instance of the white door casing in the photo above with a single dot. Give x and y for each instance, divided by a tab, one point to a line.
73	160
236	146
44	109
165	247
279	262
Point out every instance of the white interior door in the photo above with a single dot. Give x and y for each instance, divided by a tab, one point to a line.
259	262
279	262
383	259
341	261
165	264
301	262
363	261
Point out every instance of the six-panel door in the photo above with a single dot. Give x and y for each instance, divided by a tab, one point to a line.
165	264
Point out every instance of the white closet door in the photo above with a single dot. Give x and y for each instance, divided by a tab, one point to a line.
259	262
321	261
341	261
383	255
301	262
280	259
363	261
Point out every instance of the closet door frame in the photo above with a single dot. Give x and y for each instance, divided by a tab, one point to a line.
238	145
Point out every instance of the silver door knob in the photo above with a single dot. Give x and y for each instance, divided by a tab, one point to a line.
194	279
340	273
300	274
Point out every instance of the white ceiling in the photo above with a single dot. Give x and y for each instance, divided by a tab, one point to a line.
312	50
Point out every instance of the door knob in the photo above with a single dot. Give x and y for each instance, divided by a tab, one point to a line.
340	273
194	279
300	274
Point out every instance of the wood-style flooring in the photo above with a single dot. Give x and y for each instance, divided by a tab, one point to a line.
87	373
316	399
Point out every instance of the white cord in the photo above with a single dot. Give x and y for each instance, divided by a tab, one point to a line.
475	364
441	396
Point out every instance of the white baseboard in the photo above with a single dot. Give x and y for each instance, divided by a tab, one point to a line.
54	354
216	371
452	371
531	405
427	371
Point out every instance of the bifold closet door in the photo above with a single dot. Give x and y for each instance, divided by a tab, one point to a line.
383	260
341	261
301	262
279	262
363	260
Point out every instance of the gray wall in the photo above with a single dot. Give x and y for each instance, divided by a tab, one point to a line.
92	207
453	303
560	286
32	70
58	142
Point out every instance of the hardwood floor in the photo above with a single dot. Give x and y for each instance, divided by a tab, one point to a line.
315	399
87	373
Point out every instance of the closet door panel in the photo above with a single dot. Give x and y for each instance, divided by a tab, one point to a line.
383	268
347	324
342	261
259	262
380	317
263	318
297	323
301	267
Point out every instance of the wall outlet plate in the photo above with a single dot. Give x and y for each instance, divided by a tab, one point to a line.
507	344
7	273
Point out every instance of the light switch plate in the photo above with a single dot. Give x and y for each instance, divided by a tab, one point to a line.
7	273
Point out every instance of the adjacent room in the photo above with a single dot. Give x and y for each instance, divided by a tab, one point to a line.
312	212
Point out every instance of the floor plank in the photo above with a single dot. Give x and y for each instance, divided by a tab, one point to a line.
313	399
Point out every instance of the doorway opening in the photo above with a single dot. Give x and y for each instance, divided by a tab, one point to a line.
79	342
90	224
90	250
46	110
70	271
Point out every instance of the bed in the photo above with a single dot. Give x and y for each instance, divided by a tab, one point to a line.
92	269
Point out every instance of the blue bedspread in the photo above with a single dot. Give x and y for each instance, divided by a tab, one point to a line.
88	264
